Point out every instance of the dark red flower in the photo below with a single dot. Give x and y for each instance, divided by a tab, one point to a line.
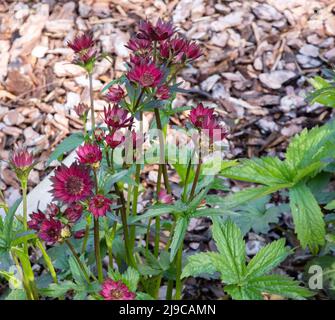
163	92
73	213
72	184
99	134
115	94
191	51
81	109
171	48
161	31
116	290
199	114
140	47
99	205
89	154
117	117
83	46
50	231
115	139
36	218
82	42
164	197
79	234
146	75
21	159
52	210
139	60
213	130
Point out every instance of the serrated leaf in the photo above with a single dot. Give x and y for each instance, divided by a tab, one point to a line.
204	262
307	217
238	292
267	170
233	200
266	259
8	223
67	145
281	285
131	278
311	146
230	243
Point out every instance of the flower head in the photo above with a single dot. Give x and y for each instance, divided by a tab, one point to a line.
22	161
81	109
141	47
72	184
115	139
73	213
99	205
116	290
146	75
117	117
79	234
84	47
163	92
199	114
115	94
161	31
164	197
171	48
82	42
50	231
52	210
89	154
36	218
191	51
213	130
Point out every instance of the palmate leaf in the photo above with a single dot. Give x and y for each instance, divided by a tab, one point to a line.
307	217
230	243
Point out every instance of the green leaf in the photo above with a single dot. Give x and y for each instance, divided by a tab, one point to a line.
131	278
143	296
257	216
230	243
67	145
311	147
204	262
266	259
58	290
307	217
238	292
8	223
238	198
281	285
17	294
330	205
267	170
178	236
154	211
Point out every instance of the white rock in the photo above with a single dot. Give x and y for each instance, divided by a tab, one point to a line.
228	21
309	50
186	8
4	53
308	62
219	39
13	118
72	99
39	51
330	55
275	79
59	25
67	69
268	125
84	82
267	12
119	40
209	83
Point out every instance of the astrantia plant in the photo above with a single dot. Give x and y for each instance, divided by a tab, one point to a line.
97	242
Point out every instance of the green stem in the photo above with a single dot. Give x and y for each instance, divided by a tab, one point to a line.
80	264
134	203
179	283
196	179
158	221
47	260
169	290
162	151
87	232
188	171
24	188
92	103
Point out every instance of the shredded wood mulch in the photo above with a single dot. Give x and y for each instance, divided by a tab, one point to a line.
258	56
